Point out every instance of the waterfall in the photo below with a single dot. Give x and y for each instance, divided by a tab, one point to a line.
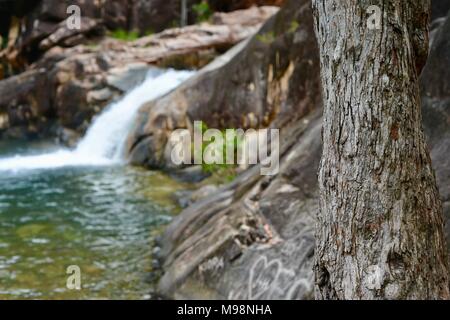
105	139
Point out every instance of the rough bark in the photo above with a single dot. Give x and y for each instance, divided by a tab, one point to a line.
380	226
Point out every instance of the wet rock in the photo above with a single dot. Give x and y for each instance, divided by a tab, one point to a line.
99	95
186	198
127	77
191	174
64	36
183	198
203	192
140	153
67	137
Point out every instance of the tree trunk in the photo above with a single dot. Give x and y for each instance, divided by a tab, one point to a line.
380	226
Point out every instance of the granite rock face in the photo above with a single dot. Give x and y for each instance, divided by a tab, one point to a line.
256	84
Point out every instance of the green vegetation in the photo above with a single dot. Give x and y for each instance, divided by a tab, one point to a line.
294	26
225	171
124	35
266	38
202	11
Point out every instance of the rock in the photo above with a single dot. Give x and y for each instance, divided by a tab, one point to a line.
62	35
200	38
191	174
116	14
186	198
44	26
68	137
439	8
183	198
203	192
140	153
127	77
99	95
155	15
247	87
23	101
4	121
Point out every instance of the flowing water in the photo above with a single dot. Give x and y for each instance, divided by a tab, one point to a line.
83	207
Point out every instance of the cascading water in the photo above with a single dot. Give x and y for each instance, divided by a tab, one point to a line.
82	207
104	141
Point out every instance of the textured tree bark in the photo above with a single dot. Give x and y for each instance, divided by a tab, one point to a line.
380	226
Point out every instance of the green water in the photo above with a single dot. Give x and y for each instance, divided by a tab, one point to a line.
102	219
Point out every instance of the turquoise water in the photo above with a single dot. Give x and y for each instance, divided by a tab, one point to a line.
102	219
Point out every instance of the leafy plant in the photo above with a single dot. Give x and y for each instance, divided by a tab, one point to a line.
124	35
225	170
202	11
294	26
266	38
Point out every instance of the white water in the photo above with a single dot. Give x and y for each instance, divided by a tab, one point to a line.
104	141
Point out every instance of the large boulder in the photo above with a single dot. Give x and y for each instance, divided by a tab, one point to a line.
256	84
435	83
